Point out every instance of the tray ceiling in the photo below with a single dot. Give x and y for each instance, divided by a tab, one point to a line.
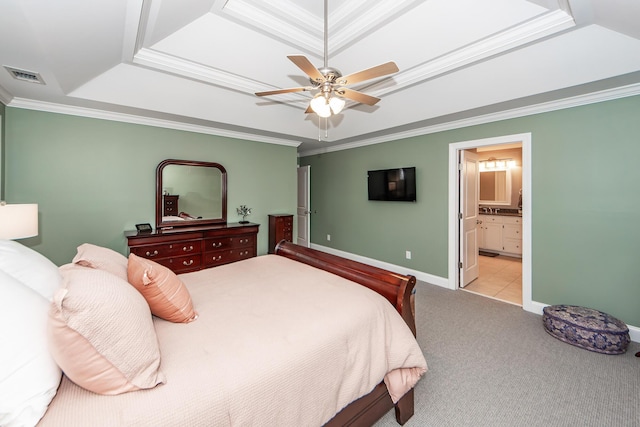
196	64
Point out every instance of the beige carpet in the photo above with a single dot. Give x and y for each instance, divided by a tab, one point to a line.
492	364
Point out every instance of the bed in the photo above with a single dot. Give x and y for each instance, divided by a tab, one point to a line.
332	352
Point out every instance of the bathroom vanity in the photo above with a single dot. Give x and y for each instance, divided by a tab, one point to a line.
501	233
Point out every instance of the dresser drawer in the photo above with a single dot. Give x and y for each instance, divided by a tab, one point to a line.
195	248
164	250
213	258
182	264
242	241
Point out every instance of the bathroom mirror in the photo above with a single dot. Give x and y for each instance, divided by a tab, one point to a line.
190	193
495	187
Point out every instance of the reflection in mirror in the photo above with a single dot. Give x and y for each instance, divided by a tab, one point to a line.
495	187
190	193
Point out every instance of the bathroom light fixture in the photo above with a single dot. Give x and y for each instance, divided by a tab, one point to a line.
493	164
18	221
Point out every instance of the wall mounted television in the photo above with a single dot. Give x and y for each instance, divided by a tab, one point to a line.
396	185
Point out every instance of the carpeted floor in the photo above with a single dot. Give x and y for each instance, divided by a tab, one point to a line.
492	364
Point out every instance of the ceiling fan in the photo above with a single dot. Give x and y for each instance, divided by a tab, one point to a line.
330	83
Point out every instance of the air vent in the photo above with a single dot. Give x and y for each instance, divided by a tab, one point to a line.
24	75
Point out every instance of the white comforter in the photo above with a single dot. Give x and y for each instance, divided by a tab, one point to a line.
277	342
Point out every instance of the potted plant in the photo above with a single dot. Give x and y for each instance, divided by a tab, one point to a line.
244	211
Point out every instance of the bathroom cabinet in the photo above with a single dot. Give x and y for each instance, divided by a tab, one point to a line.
502	234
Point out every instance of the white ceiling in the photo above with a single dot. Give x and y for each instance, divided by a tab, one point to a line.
195	64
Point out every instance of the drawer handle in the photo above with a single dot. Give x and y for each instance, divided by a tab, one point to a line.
189	249
190	262
150	254
217	258
217	244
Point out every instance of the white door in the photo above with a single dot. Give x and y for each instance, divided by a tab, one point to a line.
468	217
303	212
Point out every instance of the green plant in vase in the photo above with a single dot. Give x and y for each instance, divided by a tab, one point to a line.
244	211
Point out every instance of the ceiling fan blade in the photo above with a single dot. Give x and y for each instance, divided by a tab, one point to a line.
308	110
357	96
305	65
279	91
370	73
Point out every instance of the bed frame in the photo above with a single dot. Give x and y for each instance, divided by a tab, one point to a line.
396	288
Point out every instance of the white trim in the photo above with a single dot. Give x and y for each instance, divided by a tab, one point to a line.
135	119
534	306
576	101
5	97
425	277
453	238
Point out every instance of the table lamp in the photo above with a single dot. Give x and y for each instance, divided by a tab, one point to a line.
18	221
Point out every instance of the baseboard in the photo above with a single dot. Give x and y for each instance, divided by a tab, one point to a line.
420	275
536	307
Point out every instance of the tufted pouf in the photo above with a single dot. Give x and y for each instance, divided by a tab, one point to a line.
586	328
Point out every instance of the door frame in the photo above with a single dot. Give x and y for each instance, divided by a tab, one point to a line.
304	220
454	209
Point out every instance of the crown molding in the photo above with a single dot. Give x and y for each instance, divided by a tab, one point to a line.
541	26
140	120
5	97
576	101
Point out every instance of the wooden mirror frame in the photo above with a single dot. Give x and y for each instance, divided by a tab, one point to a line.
160	224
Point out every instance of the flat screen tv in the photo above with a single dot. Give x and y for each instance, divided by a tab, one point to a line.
397	185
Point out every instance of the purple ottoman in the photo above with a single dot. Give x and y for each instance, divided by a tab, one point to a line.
586	328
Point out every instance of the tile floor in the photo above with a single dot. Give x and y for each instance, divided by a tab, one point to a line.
500	278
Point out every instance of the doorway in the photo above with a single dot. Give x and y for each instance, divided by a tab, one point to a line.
456	248
303	207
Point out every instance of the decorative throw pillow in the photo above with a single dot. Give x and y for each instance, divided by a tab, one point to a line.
102	259
165	293
29	377
29	268
101	333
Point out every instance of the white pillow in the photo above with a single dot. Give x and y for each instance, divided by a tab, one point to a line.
29	268
101	258
29	377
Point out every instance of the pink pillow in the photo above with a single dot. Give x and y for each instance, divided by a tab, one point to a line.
165	293
101	333
101	258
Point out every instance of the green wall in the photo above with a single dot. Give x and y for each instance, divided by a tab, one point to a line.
93	179
585	203
2	114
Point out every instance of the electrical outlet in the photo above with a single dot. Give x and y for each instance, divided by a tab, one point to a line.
328	236
408	254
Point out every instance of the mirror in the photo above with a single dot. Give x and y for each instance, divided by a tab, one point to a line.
190	193
495	187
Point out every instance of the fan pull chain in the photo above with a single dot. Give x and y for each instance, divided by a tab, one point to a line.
326	128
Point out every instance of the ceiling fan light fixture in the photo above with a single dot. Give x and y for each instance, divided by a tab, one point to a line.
320	105
336	104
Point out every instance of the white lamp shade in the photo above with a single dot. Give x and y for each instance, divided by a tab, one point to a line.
320	106
18	221
336	104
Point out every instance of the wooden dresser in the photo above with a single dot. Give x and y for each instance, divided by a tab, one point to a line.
195	248
170	205
280	227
